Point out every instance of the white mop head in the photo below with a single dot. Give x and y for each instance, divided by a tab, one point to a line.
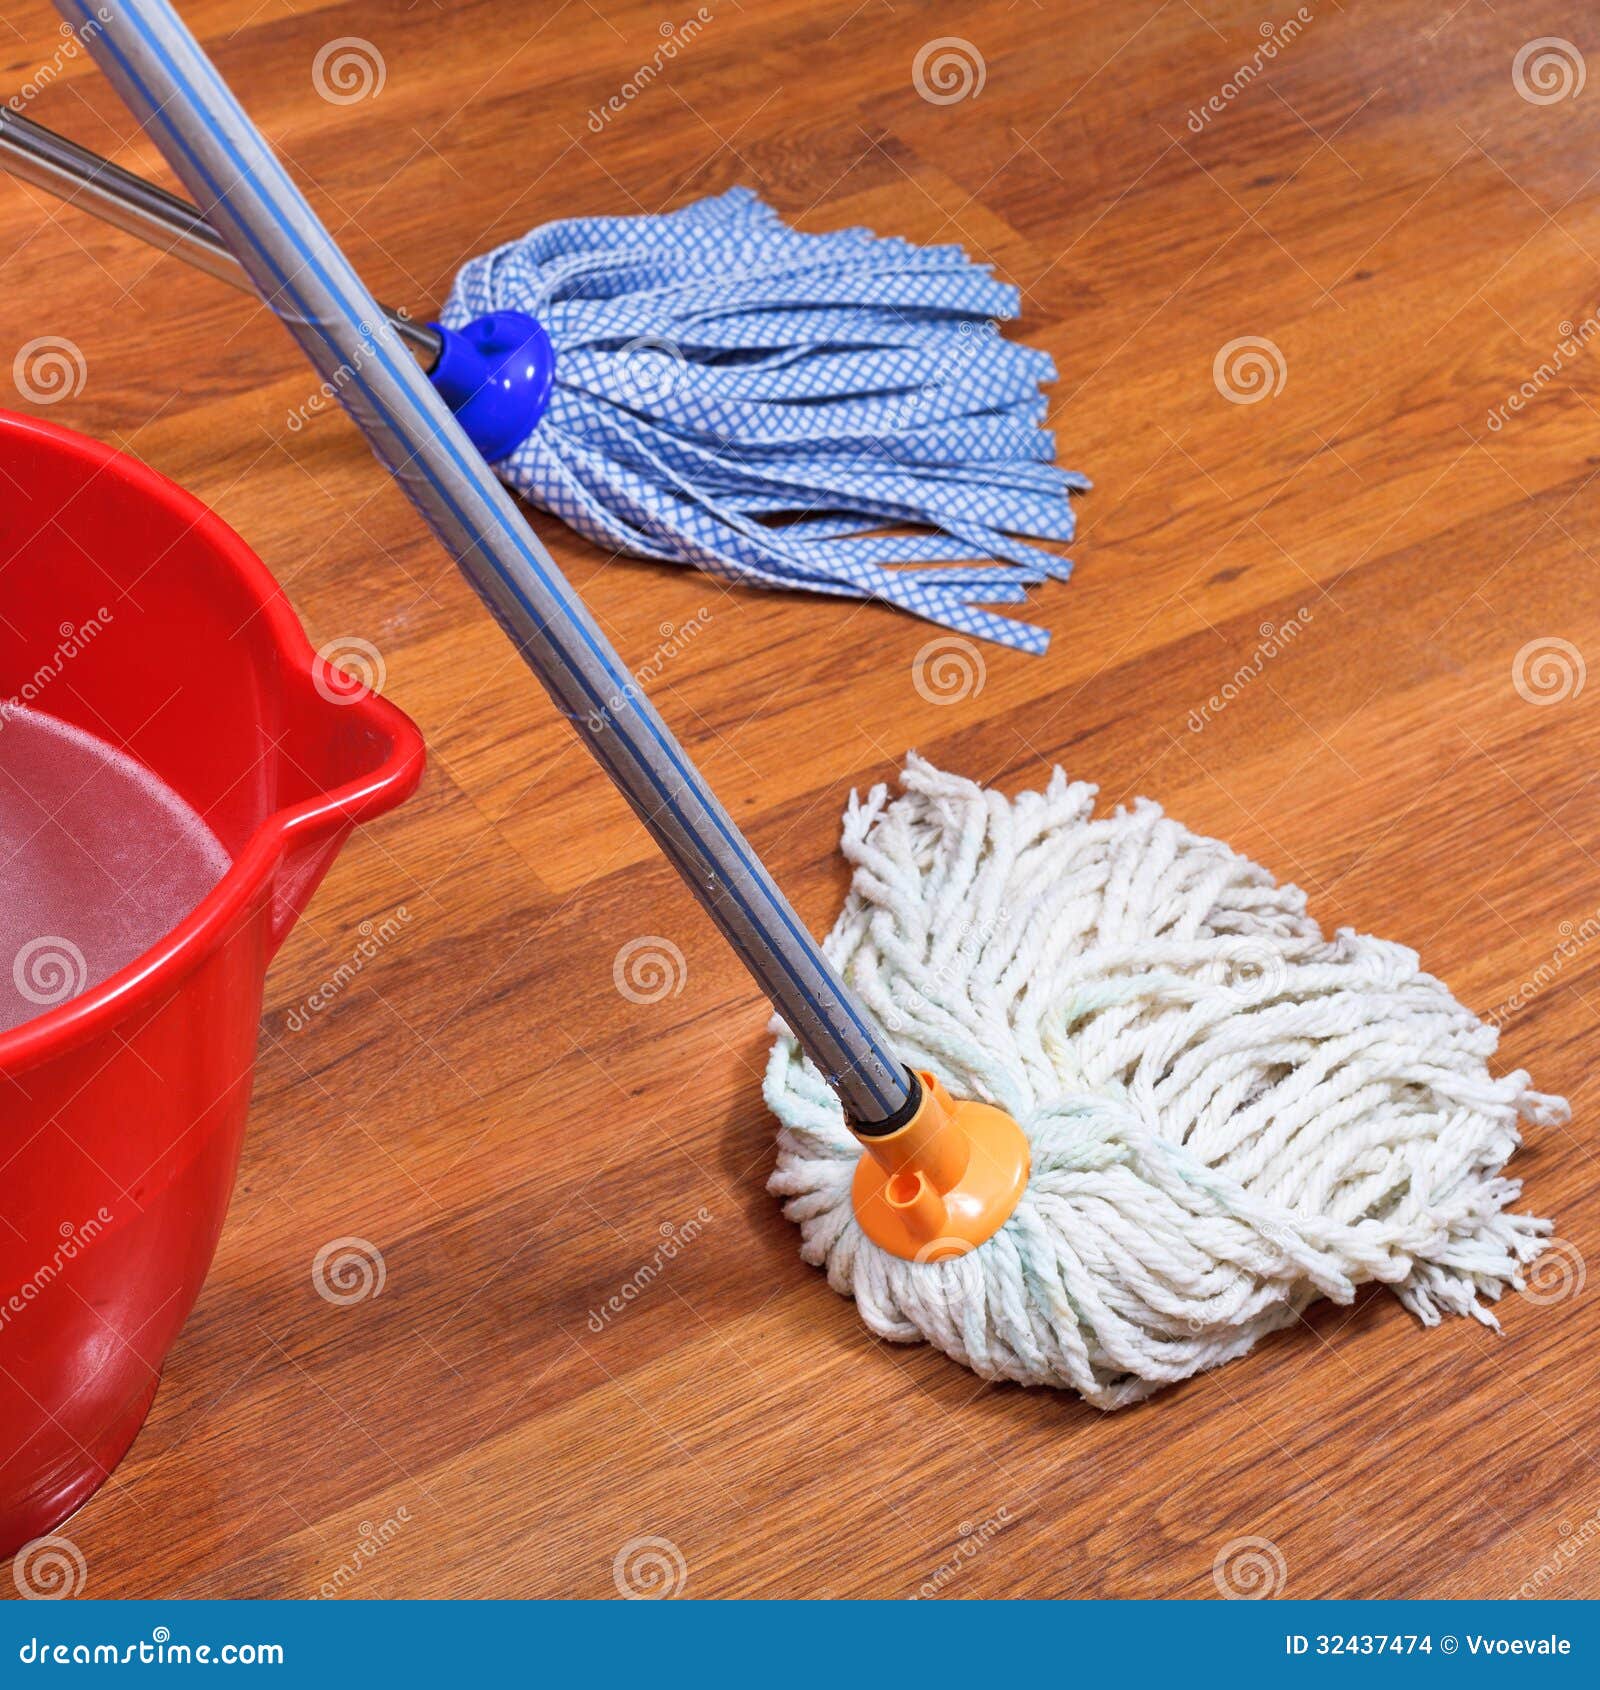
1230	1115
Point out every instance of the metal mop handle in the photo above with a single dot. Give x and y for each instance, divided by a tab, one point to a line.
176	93
116	196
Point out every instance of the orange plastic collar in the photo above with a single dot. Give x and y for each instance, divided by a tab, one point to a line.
945	1181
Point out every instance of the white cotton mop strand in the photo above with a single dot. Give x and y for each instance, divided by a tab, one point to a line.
1229	1115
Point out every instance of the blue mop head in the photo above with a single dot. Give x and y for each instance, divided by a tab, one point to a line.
762	404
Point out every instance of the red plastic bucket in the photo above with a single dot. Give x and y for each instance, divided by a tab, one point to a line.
122	1110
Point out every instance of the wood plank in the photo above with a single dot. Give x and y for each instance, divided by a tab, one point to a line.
478	1100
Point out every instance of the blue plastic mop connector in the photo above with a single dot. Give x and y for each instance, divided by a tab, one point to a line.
495	373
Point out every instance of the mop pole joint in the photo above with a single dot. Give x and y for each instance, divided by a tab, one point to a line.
496	374
943	1182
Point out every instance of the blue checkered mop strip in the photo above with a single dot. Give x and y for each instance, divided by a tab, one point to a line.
764	404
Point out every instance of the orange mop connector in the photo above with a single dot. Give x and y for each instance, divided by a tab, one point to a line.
942	1182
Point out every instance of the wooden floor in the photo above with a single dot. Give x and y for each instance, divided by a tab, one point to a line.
1414	240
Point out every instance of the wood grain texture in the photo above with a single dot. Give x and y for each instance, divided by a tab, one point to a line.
1412	235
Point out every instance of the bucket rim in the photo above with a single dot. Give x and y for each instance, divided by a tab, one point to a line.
237	898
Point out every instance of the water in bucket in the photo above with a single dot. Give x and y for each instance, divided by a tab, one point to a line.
98	859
